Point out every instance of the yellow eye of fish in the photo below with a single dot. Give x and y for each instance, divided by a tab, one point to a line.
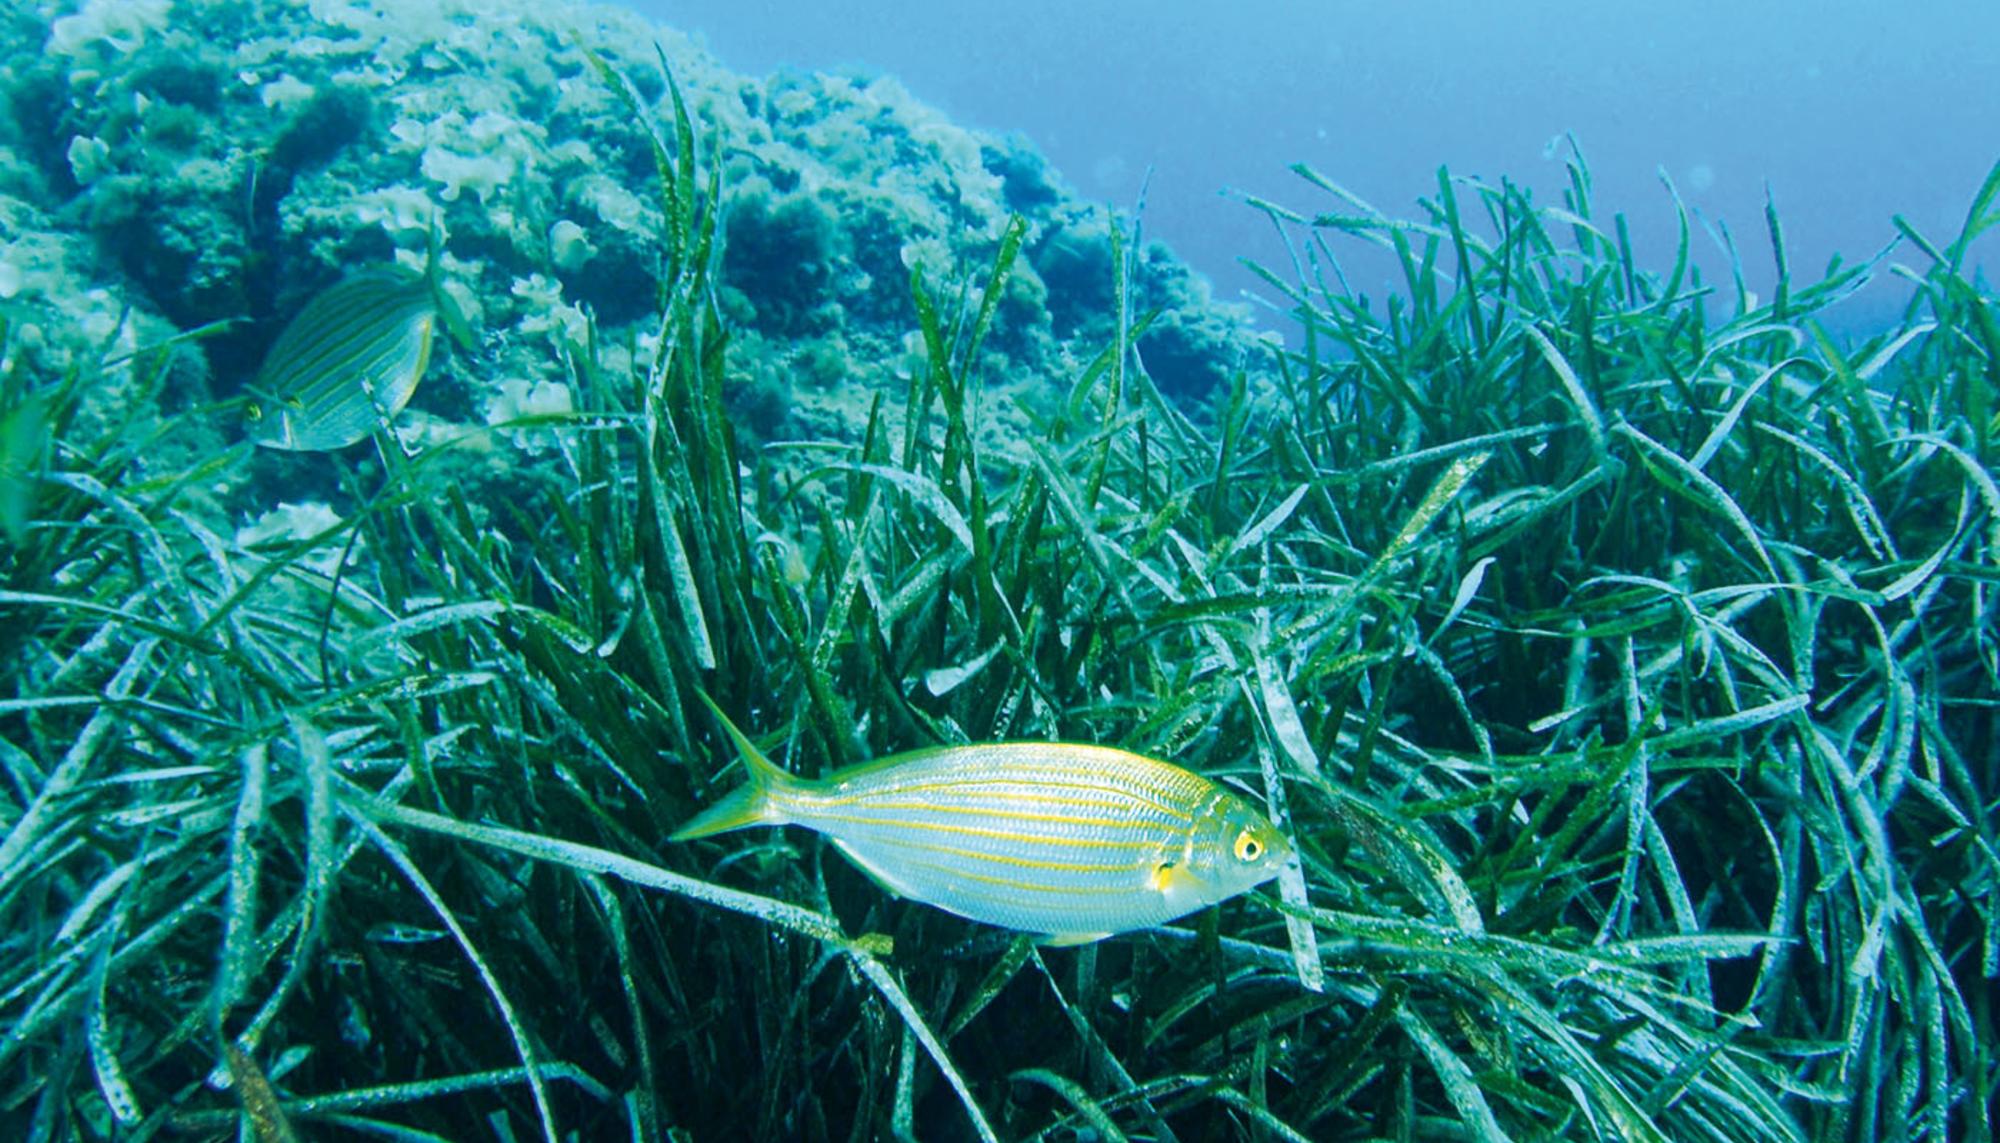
1248	848
254	412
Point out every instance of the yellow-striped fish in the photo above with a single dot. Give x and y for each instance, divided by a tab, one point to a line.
347	364
1074	842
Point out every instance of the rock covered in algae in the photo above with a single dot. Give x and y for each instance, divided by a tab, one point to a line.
202	161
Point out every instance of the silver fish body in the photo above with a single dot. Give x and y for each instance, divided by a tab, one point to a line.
1072	841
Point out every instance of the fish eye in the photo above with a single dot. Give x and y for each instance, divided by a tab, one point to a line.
254	411
1248	848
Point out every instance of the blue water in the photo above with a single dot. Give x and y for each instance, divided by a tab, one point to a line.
1849	111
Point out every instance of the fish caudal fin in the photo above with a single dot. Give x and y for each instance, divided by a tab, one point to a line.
747	805
756	802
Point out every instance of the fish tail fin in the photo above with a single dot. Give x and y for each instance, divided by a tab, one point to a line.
755	802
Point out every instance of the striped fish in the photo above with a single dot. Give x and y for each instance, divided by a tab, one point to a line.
1070	841
347	364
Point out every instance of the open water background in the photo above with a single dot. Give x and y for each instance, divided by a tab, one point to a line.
1850	111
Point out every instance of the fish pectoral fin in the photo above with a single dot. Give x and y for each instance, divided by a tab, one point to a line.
1065	940
1180	887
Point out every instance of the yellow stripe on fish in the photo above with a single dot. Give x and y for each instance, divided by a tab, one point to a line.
1072	841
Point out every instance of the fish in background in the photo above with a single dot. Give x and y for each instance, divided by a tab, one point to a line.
1071	841
350	360
24	449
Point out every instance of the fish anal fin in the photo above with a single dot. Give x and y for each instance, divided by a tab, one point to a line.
1065	940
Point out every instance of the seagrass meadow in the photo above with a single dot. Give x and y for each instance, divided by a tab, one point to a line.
1617	649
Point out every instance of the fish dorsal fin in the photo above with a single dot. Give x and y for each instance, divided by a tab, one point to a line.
449	314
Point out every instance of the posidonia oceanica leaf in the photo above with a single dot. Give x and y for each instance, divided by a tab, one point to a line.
481	611
687	596
1981	479
1283	719
1881	358
941	681
1460	1086
1709	729
27	829
1482	443
1678	476
589	859
524	1045
1442	492
924	491
1468	589
885	982
1411	856
1074	1095
240	925
1726	424
1867	522
1606	1095
1927	567
998	977
112	1084
1586	409
1270	522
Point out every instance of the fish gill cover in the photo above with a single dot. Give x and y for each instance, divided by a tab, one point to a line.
1620	661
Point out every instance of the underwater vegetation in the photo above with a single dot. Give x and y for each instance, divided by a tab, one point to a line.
1615	652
